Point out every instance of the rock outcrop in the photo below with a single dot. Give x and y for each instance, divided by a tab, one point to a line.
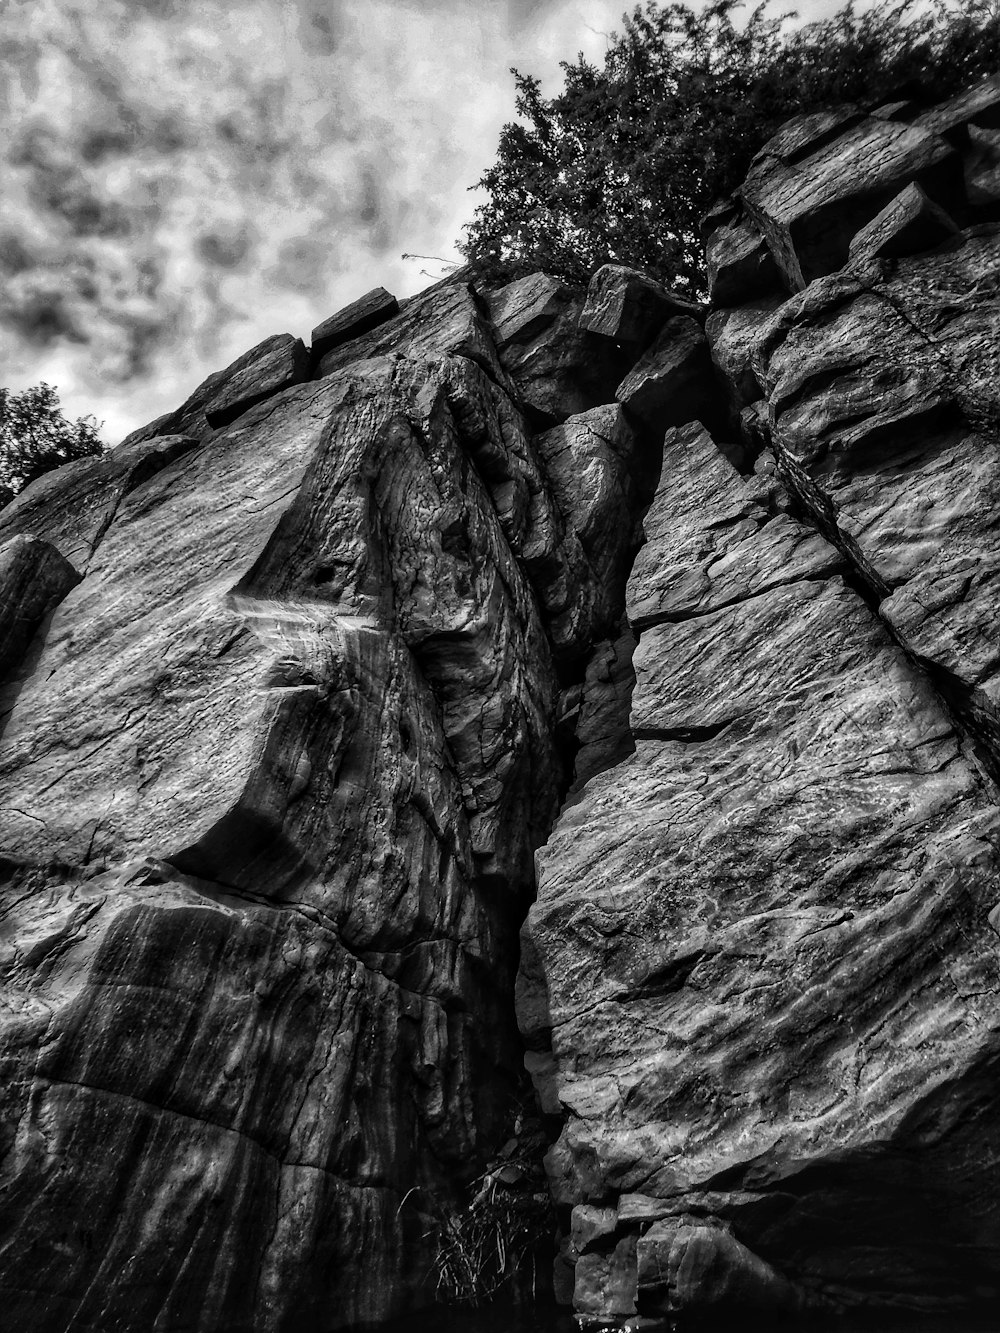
677	631
761	981
292	682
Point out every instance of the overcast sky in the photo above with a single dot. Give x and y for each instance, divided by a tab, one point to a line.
182	178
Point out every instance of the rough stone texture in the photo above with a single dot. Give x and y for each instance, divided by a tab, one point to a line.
760	948
809	207
882	401
628	307
761	974
361	316
74	506
907	225
276	772
732	336
560	367
712	540
270	784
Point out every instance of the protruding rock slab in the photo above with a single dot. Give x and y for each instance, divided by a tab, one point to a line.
808	212
361	316
672	382
907	225
275	364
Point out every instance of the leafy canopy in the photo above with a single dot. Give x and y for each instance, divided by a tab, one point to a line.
622	164
35	437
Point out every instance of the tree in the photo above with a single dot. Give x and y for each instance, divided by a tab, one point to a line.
624	162
35	437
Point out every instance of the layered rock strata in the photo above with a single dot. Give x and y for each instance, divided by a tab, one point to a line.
760	982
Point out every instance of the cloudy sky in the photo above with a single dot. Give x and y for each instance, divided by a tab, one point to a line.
183	178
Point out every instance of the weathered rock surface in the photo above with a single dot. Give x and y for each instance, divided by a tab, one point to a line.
761	974
361	316
561	368
810	196
311	686
288	716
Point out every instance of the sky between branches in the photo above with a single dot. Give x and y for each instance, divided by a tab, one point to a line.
185	177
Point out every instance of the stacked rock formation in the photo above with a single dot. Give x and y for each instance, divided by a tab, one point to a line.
301	681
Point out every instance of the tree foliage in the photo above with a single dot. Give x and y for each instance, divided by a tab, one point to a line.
623	163
36	437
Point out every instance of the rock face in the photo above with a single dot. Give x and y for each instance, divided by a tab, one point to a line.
290	699
761	976
682	631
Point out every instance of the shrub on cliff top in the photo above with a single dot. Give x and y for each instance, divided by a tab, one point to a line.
623	163
36	437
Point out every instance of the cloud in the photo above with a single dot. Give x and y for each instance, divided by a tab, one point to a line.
182	180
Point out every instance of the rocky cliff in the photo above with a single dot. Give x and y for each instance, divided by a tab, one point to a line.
302	682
